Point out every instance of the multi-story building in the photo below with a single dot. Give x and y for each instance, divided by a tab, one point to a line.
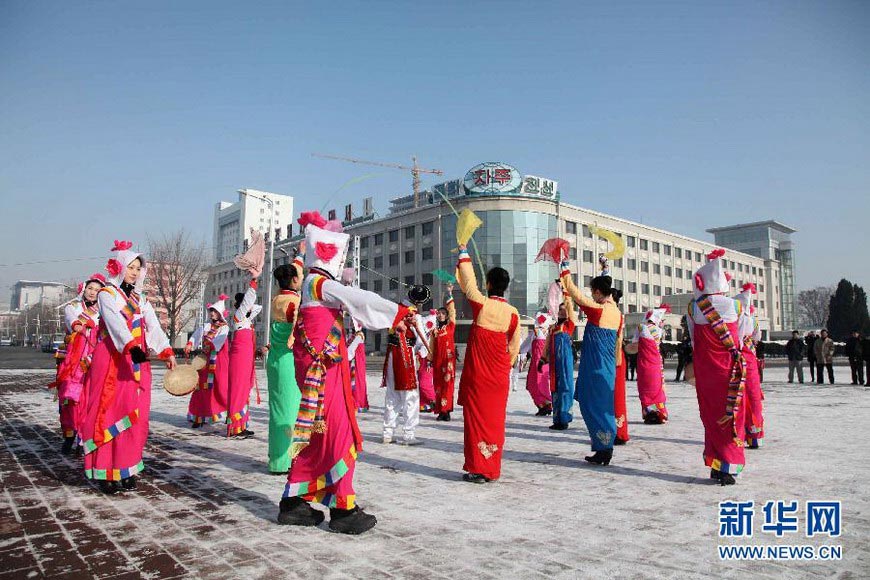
29	293
519	213
191	293
771	241
233	221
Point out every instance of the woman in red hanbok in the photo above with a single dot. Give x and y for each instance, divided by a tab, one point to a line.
493	345
442	353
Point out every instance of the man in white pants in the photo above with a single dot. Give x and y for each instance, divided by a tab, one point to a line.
400	379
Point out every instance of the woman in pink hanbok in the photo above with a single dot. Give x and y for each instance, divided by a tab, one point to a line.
118	385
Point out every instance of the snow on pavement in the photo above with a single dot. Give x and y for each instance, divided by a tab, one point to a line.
206	505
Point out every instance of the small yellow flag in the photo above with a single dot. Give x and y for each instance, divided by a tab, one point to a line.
466	225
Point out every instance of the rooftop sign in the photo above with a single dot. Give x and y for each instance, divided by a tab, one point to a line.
495	178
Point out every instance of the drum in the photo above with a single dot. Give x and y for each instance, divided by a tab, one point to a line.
182	380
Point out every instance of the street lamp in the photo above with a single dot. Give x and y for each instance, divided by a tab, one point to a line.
268	305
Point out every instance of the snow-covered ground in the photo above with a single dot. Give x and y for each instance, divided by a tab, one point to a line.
652	513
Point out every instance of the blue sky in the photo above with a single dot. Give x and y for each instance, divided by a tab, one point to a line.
119	119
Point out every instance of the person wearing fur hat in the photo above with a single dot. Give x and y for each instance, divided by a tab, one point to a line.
118	385
242	376
538	377
82	317
493	346
650	367
400	376
442	353
326	438
284	395
208	403
602	348
560	358
720	369
753	396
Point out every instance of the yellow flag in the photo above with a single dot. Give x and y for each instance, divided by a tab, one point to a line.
615	239
466	225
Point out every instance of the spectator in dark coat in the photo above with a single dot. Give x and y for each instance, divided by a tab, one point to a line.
810	341
854	351
795	349
684	355
760	347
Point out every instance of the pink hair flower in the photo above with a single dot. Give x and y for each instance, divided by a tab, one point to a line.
121	245
717	253
750	287
114	267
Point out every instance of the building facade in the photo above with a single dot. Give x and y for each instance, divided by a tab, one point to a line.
519	213
29	293
771	241
233	221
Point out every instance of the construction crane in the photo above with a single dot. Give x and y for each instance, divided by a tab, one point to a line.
415	169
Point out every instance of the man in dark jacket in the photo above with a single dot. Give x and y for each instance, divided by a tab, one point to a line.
795	350
856	359
684	355
810	341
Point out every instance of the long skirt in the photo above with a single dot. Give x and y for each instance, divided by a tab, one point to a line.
650	379
241	380
359	383
562	371
620	408
753	399
115	424
712	362
426	382
595	384
284	397
323	470
208	403
538	382
483	394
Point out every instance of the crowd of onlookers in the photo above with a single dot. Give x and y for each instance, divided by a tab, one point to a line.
819	353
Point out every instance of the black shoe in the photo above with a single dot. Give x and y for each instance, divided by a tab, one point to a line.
726	479
652	418
619	441
601	457
443	417
475	478
541	412
108	487
548	410
351	522
68	443
295	511
196	425
243	434
129	483
715	474
559	426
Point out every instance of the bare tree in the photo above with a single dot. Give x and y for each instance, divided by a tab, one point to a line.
176	271
813	305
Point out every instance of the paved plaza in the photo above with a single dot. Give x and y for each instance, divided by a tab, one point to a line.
206	505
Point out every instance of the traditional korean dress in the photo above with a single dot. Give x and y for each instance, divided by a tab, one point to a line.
753	396
493	345
650	367
425	372
538	382
596	376
115	424
358	382
620	407
442	351
720	367
326	438
242	375
561	362
284	394
208	403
